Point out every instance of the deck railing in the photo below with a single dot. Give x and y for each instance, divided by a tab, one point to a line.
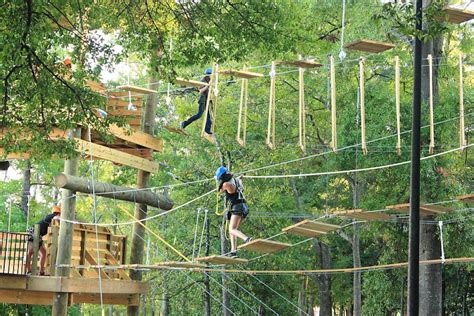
13	251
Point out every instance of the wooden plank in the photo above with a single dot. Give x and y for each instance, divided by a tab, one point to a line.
190	83
137	89
139	152
360	214
96	86
369	46
299	63
26	297
468	198
137	137
111	260
241	73
319	226
264	246
175	130
17	282
425	210
123	112
221	260
108	286
302	231
123	103
179	264
116	156
113	299
124	95
456	15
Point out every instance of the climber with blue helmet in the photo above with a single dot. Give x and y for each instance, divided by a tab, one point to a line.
203	94
238	208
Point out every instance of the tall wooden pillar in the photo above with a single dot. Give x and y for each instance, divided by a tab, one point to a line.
60	302
141	210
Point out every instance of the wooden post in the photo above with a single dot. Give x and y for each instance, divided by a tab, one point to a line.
53	250
462	136
141	210
244	95
271	109
397	102
66	230
207	286
430	66
333	104
36	241
302	114
362	104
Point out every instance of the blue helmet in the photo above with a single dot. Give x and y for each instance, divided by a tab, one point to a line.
220	172
208	71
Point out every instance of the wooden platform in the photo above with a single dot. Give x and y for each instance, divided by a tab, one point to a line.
221	260
40	290
468	198
175	130
425	210
361	215
369	46
308	228
264	246
456	15
241	73
136	89
180	264
190	83
299	63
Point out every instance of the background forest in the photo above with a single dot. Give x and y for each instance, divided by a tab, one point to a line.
151	43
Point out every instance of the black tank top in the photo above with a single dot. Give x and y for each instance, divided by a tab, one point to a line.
236	197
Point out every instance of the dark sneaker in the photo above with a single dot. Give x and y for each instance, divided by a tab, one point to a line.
181	125
232	254
248	240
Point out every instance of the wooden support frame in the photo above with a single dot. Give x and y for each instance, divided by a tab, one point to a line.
462	135
430	97
332	74
221	260
301	112
271	109
136	89
244	73
116	156
369	46
398	147
244	95
362	104
264	246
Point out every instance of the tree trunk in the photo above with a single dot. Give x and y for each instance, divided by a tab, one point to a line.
60	302
165	307
141	210
225	292
82	185
323	261
430	275
356	281
25	192
207	286
302	297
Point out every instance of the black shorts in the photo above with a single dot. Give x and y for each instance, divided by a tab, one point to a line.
30	240
240	209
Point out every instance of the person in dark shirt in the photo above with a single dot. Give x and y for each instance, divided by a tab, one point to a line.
239	209
203	94
43	230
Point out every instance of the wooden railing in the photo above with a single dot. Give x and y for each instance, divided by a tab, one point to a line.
13	251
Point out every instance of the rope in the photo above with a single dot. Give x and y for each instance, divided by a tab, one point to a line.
430	65
333	103
271	109
342	53
195	231
241	139
462	136
202	231
355	170
362	104
440	223
156	235
397	102
302	114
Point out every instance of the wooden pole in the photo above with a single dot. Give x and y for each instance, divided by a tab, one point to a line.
302	114
333	104
271	109
430	66
462	136
397	102
36	241
207	286
362	104
242	131
60	302
108	190
141	210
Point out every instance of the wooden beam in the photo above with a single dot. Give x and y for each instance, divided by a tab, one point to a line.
123	103
137	89
137	137
369	46
221	260
190	83
116	156
111	299
264	246
123	112
26	297
241	73
179	264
